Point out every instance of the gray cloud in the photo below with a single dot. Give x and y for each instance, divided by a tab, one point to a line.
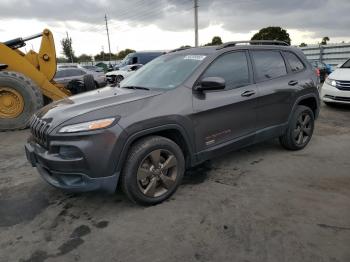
323	17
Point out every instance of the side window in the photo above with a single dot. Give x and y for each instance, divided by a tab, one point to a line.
70	72
268	64
233	67
294	62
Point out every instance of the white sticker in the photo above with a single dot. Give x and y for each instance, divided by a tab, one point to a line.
195	57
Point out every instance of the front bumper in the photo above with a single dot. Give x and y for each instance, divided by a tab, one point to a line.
332	94
87	163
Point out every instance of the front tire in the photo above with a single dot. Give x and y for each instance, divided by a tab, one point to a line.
118	79
153	171
300	129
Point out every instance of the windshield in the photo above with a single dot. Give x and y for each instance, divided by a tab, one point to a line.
125	61
164	72
346	64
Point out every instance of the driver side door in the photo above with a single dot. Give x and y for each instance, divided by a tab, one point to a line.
226	118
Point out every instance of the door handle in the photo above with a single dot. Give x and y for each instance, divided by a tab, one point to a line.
292	82
248	93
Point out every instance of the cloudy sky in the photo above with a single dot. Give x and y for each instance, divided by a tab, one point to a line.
168	24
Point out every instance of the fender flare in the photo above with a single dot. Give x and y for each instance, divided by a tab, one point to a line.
299	99
146	132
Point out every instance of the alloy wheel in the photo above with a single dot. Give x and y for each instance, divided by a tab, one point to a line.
303	130
157	173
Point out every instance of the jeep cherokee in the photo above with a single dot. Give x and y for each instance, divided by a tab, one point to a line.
177	111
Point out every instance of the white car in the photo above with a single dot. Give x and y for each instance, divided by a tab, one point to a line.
118	75
336	88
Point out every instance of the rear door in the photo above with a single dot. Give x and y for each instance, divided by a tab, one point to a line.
275	88
229	114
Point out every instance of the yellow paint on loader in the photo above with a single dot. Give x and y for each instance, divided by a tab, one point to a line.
39	67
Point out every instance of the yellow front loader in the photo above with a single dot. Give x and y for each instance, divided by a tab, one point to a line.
26	80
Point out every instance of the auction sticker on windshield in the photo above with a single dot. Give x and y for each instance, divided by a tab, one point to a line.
195	57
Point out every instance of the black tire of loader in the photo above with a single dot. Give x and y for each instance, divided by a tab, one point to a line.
32	96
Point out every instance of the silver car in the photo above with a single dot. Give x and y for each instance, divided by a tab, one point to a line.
66	75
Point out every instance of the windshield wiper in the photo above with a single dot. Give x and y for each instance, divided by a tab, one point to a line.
136	87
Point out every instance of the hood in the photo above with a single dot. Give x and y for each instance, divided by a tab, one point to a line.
340	74
100	99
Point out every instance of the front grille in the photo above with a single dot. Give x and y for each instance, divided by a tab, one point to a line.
343	85
39	129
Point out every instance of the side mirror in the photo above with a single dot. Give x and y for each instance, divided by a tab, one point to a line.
210	83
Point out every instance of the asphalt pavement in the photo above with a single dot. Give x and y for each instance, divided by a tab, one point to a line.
261	203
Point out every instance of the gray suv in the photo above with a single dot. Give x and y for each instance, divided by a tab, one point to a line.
181	109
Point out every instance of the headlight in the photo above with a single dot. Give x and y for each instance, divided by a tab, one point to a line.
331	82
88	126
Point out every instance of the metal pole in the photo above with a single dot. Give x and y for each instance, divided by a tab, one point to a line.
109	44
196	23
70	48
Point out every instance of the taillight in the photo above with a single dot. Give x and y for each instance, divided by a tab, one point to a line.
318	72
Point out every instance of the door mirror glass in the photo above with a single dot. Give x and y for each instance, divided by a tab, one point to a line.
211	83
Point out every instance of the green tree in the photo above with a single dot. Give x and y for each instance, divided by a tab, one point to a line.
215	41
84	58
67	49
62	59
272	33
324	40
105	56
185	46
124	53
303	45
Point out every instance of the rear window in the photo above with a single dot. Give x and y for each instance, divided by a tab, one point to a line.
294	62
60	74
346	64
268	64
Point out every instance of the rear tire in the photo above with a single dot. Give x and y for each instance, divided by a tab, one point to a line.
89	82
152	161
25	99
300	129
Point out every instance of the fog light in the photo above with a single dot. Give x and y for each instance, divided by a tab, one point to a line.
69	152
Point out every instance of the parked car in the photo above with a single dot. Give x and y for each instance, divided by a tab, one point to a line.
336	88
67	75
174	113
67	65
139	58
93	68
322	69
119	75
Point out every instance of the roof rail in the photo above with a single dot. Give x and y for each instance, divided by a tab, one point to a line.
180	49
254	42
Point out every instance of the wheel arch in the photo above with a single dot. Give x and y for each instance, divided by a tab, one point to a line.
174	132
309	100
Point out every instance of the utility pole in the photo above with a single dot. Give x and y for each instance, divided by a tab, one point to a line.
109	43
70	48
103	53
195	23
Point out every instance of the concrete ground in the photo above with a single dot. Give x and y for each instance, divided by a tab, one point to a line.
262	203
